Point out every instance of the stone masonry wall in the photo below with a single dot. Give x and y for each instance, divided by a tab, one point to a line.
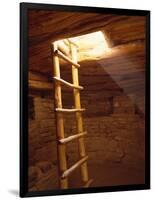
42	145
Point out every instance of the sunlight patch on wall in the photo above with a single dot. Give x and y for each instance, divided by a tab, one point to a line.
92	46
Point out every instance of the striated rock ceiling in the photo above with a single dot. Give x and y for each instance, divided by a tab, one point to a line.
123	34
109	46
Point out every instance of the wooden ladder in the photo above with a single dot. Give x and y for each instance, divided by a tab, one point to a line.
64	172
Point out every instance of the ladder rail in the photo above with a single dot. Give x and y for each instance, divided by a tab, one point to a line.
79	121
61	149
73	43
88	183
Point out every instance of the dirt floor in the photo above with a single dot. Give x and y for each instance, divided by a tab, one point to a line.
115	174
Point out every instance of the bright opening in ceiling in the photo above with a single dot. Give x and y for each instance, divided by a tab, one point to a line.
91	46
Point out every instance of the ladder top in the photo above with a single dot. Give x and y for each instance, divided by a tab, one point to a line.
73	42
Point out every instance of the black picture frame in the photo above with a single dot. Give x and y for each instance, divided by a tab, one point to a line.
24	99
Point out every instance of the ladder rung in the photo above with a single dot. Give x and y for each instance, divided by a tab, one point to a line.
70	110
60	54
72	137
67	83
76	165
88	183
